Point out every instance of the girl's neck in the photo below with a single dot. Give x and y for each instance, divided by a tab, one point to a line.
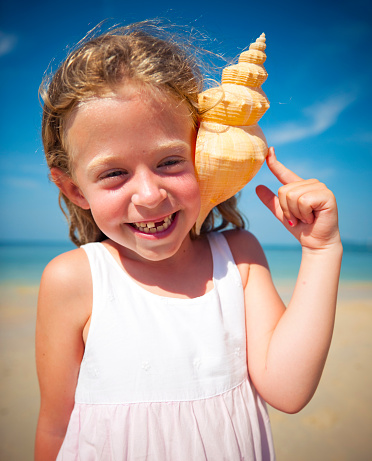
188	274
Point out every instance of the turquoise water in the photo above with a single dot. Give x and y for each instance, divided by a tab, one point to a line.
24	262
284	262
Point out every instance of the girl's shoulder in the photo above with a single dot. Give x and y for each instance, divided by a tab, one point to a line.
244	246
66	283
68	268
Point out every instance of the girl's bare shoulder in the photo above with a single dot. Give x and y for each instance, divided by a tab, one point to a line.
245	247
67	283
68	268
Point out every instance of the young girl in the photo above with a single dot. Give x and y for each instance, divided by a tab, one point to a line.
153	344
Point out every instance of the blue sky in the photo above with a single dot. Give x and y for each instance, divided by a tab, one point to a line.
319	86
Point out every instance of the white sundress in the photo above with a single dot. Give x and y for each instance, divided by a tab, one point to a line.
165	379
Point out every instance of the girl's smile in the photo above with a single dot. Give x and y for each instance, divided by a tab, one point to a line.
155	227
133	163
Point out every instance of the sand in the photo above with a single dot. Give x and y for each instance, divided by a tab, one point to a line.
336	425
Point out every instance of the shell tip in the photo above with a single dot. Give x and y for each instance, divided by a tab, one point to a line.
198	225
203	213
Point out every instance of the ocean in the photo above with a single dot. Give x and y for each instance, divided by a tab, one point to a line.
23	262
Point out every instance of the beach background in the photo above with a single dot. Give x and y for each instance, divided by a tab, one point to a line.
335	426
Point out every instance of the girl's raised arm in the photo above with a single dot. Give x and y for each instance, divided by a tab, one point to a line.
64	307
287	348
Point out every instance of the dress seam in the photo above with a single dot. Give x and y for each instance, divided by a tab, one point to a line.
246	378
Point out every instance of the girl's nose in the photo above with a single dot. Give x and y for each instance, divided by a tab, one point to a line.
149	192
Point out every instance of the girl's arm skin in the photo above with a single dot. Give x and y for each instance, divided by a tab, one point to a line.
64	307
287	348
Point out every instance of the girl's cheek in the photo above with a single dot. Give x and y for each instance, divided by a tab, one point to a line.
105	201
189	186
194	197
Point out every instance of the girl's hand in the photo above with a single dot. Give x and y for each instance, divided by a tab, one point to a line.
305	207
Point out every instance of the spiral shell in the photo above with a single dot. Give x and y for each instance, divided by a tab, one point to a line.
230	146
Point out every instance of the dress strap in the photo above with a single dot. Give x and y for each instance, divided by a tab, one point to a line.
223	260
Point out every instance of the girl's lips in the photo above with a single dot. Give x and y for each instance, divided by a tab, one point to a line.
154	227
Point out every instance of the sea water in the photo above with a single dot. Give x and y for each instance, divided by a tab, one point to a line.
23	262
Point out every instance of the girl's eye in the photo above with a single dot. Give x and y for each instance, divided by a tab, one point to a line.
113	175
171	162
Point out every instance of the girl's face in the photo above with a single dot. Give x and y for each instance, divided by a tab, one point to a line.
133	161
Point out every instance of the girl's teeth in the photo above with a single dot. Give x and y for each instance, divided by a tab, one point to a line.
150	227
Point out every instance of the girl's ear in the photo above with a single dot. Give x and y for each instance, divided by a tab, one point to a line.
69	188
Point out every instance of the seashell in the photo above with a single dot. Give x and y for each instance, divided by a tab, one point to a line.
230	146
241	105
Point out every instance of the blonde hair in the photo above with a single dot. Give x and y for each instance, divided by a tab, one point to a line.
142	53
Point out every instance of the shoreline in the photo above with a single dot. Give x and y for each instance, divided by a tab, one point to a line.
335	425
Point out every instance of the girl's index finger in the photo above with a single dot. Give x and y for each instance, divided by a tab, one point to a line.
282	173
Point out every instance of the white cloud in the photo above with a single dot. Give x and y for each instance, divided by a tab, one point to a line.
7	43
319	117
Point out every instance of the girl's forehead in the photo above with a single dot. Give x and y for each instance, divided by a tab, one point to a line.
129	117
129	97
131	92
155	101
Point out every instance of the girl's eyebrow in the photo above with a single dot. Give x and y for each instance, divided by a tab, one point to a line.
101	160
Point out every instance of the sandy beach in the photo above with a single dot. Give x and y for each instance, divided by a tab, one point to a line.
335	426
